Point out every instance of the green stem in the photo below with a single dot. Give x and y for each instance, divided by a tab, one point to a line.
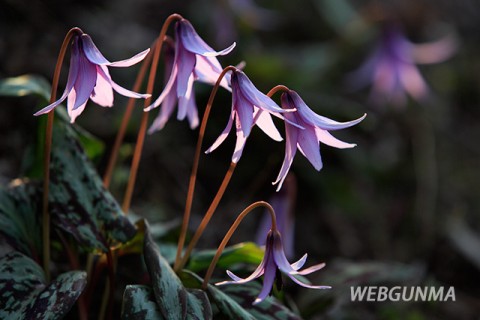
230	232
48	151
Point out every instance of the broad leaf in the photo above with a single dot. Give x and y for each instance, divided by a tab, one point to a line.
25	85
174	300
268	309
246	252
139	304
79	203
19	221
24	293
227	307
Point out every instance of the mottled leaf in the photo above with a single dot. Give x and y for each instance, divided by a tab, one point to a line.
247	252
268	309
79	203
174	300
25	85
227	307
19	204
139	304
24	293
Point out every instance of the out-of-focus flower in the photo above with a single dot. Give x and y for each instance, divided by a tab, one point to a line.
89	77
249	107
282	202
274	261
194	60
391	68
316	130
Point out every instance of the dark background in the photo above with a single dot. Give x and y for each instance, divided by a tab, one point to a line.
403	203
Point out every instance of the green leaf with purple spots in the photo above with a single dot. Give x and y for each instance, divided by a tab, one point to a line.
139	304
24	293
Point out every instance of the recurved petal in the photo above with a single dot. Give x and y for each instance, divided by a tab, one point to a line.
208	69
72	77
171	84
223	135
255	274
311	269
279	255
131	61
73	113
193	43
306	285
314	119
297	265
325	137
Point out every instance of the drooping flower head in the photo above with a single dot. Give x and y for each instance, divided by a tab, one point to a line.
274	261
316	130
391	68
249	107
194	60
89	78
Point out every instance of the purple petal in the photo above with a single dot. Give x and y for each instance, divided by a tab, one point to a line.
192	113
413	82
103	92
268	279
193	43
96	57
306	285
297	265
72	76
208	69
311	269
184	100
436	51
91	51
185	62
239	144
131	61
291	134
74	113
86	80
252	94
244	111
314	119
166	91
264	121
223	135
103	71
325	137
308	145
279	255
166	111
255	274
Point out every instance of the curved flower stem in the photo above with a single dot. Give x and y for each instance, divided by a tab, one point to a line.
193	175
277	88
48	150
230	232
144	121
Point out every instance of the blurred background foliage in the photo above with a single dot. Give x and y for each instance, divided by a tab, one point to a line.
402	207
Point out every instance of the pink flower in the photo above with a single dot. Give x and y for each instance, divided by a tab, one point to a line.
88	78
249	107
194	60
316	130
391	68
273	261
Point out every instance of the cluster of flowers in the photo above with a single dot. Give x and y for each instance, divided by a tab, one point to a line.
193	60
